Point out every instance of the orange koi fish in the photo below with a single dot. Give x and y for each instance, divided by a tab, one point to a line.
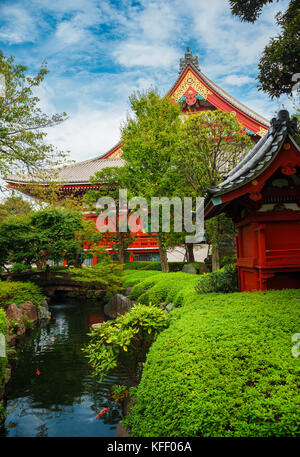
101	412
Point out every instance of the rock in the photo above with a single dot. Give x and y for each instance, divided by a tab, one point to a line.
29	309
121	431
128	291
188	268
119	304
13	313
96	325
43	313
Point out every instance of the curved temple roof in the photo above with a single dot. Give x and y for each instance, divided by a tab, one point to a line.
259	157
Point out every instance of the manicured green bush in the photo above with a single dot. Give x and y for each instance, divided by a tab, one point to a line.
3	329
224	367
177	266
173	266
166	288
224	280
132	277
161	287
19	292
142	265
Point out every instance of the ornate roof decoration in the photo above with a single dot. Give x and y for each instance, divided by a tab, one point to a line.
259	157
190	64
190	81
188	59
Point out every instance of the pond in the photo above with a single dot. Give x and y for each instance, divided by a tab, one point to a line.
51	392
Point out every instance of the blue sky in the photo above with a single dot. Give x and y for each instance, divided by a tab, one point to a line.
100	51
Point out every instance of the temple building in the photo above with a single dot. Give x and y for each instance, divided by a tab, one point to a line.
195	92
262	196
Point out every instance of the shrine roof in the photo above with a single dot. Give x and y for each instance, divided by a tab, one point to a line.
257	159
192	61
78	173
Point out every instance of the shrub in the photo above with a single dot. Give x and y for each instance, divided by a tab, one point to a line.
223	368
142	265
125	341
132	277
177	266
20	292
224	280
173	266
19	267
162	287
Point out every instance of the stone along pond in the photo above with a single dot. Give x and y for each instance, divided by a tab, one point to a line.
51	392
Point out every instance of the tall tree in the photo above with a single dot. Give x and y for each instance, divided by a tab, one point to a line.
22	122
149	142
280	61
111	179
210	144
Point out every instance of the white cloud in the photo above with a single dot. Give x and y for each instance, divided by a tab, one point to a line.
132	54
88	132
237	80
18	25
83	40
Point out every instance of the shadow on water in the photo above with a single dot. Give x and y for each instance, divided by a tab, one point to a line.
63	399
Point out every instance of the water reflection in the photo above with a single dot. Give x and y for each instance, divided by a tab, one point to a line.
63	399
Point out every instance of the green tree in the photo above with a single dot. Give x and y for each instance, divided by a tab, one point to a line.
51	233
280	59
14	205
111	180
149	142
210	144
22	122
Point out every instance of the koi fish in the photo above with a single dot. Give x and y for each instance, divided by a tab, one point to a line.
101	412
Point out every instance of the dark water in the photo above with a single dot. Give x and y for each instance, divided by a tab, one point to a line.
64	398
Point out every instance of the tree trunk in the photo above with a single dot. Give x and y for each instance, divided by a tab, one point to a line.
190	252
215	257
77	262
121	249
39	264
163	256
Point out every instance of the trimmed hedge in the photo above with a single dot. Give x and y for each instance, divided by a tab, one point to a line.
132	277
173	266
3	329
19	292
224	367
161	287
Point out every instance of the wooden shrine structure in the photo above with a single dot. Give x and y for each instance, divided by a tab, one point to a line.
195	92
262	196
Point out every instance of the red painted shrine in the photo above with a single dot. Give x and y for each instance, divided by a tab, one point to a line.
262	196
194	91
